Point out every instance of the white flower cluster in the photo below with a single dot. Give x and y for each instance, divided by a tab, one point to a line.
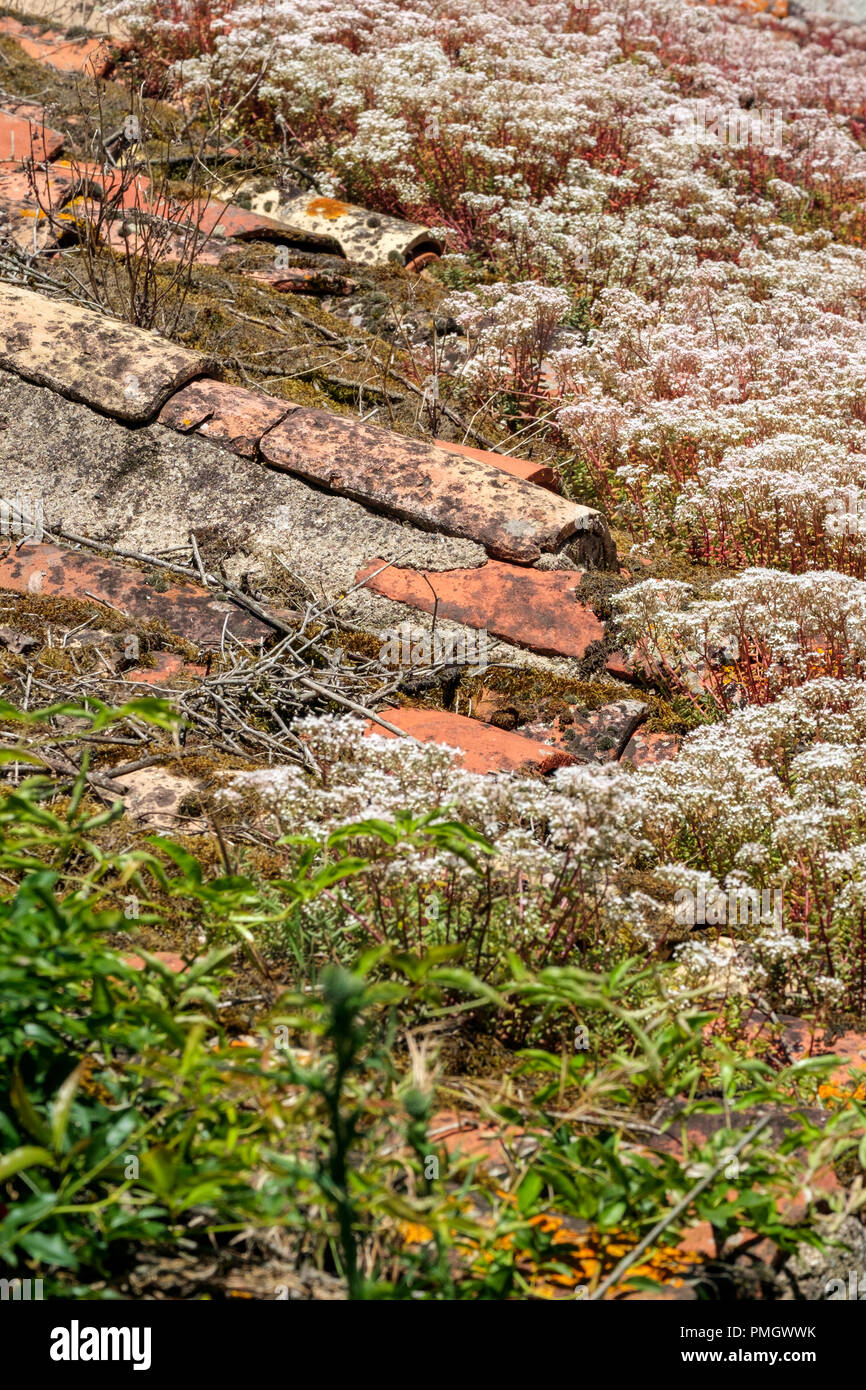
767	805
558	850
730	414
547	119
509	330
759	633
775	797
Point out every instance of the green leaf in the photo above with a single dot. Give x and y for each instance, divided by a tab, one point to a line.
611	1215
190	866
333	873
62	1105
530	1189
465	981
30	1119
49	1249
101	1001
159	1166
25	1157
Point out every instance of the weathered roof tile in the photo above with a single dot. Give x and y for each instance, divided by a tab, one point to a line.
645	748
221	219
370	237
530	472
300	280
187	609
531	608
123	371
229	415
24	135
599	736
437	491
90	56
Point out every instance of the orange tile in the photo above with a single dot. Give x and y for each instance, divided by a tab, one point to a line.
532	608
435	490
643	749
187	609
228	415
483	747
23	138
518	468
174	962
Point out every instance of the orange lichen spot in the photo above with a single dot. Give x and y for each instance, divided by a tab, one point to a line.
414	1233
835	1091
331	208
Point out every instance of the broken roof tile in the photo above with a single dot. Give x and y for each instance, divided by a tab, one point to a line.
166	666
88	56
598	736
483	747
122	371
170	959
435	490
187	609
214	221
45	186
618	665
645	748
228	415
537	609
125	236
214	218
299	280
370	237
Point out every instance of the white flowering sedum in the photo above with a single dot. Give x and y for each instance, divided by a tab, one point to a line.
557	850
755	636
772	800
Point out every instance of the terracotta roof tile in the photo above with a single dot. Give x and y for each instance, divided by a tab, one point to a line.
186	609
228	415
531	608
123	371
483	747
299	280
373	238
646	748
91	56
518	468
27	137
439	491
598	736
